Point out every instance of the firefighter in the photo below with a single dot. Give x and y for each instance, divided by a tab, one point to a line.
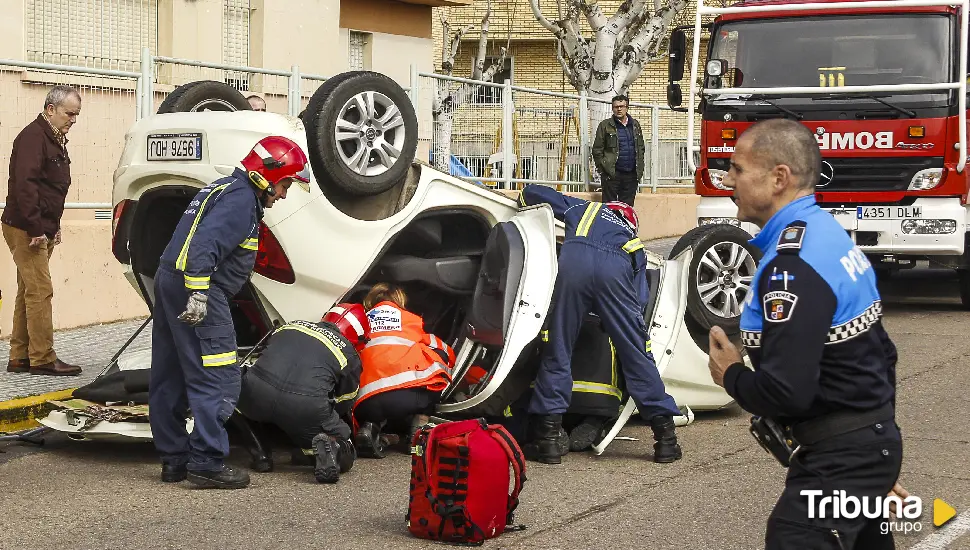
602	269
305	381
825	369
405	370
208	260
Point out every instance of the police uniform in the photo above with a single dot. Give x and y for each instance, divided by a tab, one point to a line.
825	367
602	270
212	251
304	382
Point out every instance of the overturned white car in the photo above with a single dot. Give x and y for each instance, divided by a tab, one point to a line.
477	269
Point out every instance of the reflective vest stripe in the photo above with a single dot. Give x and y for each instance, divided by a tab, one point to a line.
649	346
633	245
250	244
405	377
586	222
347	396
184	253
219	359
196	283
594	387
389	341
341	358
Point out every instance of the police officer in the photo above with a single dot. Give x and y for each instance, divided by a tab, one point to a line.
602	270
824	367
209	258
305	381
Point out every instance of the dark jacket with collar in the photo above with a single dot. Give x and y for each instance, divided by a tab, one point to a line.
40	176
606	146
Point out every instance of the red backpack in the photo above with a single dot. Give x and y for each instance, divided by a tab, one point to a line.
460	482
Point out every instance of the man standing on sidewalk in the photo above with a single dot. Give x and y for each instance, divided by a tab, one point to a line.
40	175
618	153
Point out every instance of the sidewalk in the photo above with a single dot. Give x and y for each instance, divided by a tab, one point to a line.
23	396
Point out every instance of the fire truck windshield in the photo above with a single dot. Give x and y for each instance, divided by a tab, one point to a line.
840	50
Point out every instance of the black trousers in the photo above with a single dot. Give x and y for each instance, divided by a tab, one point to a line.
863	463
622	187
396	407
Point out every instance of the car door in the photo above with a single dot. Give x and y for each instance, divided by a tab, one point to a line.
509	308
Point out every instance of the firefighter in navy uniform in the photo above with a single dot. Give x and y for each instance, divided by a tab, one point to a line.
208	260
824	367
603	271
305	383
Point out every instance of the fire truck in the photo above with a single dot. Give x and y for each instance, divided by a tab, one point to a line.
881	84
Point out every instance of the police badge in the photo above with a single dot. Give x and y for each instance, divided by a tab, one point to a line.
778	306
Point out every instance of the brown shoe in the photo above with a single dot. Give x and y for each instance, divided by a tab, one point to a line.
18	365
57	368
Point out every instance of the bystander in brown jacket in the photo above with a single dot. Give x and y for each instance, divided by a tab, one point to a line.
40	175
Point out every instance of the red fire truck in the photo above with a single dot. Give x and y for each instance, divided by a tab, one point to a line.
882	84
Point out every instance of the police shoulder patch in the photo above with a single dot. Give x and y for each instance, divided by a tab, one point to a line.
791	237
779	305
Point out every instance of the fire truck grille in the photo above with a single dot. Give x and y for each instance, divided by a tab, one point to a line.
873	174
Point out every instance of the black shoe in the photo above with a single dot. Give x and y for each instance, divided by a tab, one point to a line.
262	464
369	441
173	473
226	478
326	469
584	435
546	441
666	449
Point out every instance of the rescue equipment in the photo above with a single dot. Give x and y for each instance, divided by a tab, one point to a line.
460	482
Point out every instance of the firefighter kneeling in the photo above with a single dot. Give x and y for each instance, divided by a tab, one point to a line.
306	380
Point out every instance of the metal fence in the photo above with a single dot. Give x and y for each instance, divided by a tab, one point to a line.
500	135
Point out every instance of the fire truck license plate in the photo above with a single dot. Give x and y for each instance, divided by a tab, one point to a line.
888	212
175	146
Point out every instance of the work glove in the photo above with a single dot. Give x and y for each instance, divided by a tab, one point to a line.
195	310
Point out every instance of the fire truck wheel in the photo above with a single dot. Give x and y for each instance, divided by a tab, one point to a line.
204	95
722	268
964	278
362	133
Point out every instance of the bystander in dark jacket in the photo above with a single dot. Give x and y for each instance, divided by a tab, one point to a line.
618	153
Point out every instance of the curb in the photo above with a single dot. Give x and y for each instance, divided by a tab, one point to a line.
21	413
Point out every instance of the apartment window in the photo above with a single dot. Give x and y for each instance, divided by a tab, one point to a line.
358	54
102	34
235	41
490	95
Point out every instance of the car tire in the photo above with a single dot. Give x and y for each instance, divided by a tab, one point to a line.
335	163
204	95
723	264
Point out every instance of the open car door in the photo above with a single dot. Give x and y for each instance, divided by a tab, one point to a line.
512	298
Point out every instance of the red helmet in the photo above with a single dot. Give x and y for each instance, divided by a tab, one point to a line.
626	213
352	321
275	158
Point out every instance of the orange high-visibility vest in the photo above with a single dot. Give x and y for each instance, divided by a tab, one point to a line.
400	354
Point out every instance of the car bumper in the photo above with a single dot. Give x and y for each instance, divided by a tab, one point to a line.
937	229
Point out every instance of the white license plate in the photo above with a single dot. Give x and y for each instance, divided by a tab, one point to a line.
175	147
888	212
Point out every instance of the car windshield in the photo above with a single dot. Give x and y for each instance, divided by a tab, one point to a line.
857	50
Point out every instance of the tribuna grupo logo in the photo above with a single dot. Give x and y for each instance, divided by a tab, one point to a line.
840	505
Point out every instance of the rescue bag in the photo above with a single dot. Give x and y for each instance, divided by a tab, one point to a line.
460	477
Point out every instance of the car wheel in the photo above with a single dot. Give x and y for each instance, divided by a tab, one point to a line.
204	95
721	270
362	133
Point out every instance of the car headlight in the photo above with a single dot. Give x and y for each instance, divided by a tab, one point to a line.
926	179
717	178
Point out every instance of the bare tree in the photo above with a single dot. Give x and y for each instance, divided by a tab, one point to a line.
607	64
451	95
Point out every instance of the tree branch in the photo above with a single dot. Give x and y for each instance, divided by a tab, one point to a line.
549	25
482	41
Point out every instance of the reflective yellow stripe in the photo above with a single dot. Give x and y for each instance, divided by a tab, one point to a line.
633	245
196	283
250	244
595	387
522	197
507	413
649	346
613	362
587	220
341	358
219	359
545	335
184	253
347	396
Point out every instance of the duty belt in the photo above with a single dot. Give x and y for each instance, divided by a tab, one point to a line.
812	431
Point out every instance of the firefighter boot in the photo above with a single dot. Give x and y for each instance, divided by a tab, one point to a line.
369	441
545	439
586	433
666	448
325	450
226	478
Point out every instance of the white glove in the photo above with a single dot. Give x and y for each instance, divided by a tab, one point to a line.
195	310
